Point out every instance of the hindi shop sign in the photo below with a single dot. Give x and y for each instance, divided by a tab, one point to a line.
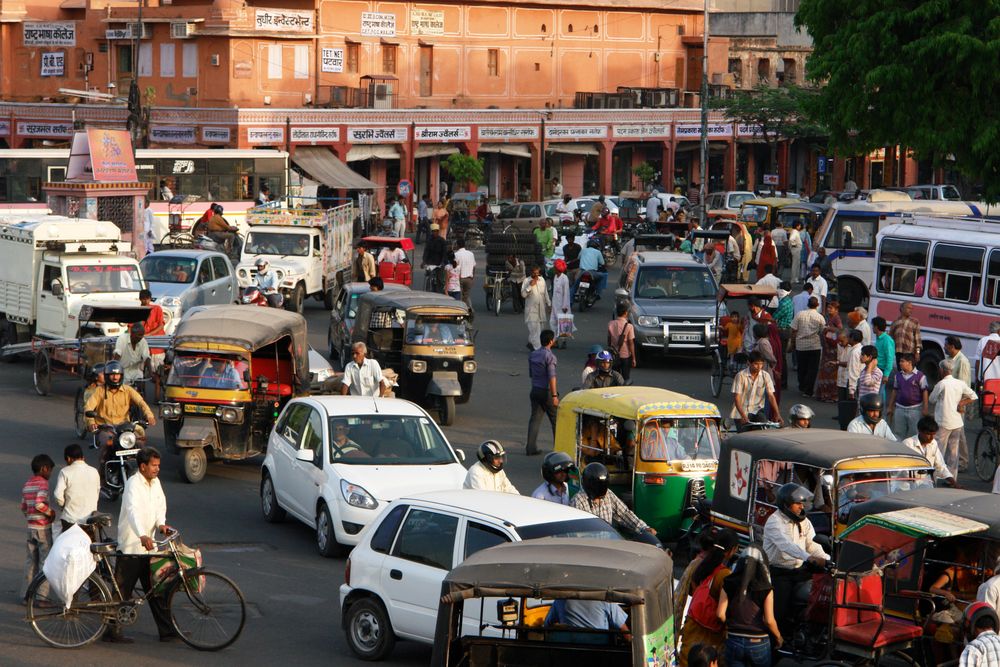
576	131
715	131
4	128
375	24
265	135
53	64
55	33
285	20
215	134
377	135
745	130
172	134
640	131
426	22
315	135
332	60
42	129
443	133
516	132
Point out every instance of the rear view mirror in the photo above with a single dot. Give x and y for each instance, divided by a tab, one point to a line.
57	288
305	455
621	293
460	454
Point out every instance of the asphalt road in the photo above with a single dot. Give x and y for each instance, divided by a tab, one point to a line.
292	592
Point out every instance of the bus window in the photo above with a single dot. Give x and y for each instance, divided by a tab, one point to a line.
992	296
956	273
855	233
902	266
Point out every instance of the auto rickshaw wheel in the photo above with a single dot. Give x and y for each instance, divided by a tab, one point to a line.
446	410
78	416
195	465
43	373
987	456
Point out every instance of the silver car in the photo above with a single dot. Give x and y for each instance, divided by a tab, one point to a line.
183	279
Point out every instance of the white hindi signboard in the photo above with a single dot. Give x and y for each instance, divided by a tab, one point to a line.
285	20
640	131
215	134
4	128
172	134
44	129
265	135
426	22
375	24
332	60
377	135
442	133
576	131
508	132
715	130
315	135
53	64
56	33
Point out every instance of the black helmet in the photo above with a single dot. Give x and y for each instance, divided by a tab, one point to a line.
114	368
794	493
594	480
556	462
490	450
871	403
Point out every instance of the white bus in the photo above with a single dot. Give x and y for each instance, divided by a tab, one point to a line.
949	269
849	230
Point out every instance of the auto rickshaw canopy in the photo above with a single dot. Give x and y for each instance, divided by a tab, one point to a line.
876	530
968	505
407	300
637	403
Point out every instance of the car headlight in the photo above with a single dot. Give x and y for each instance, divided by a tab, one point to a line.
356	496
170	302
649	321
229	415
469	367
242	273
126	440
418	366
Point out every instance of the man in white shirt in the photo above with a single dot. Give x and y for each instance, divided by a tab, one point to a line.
133	351
653	206
487	474
466	270
143	514
949	397
769	279
987	366
923	443
780	239
869	420
78	487
854	365
148	228
795	251
820	287
807	328
391	254
989	591
564	211
363	376
801	300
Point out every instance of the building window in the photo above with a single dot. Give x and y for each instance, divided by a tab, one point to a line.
301	52
351	56
426	71
736	69
389	58
493	62
764	71
189	54
167	66
788	66
274	61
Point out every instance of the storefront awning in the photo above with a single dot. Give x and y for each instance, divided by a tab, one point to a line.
322	165
572	149
374	151
516	150
434	150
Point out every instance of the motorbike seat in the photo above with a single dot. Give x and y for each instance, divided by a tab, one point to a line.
103	548
99	519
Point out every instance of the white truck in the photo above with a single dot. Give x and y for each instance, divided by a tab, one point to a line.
51	266
309	249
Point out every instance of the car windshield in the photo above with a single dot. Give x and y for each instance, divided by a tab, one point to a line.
387	440
590	527
166	269
203	371
736	200
424	330
753	213
859	487
277	243
665	439
674	282
91	279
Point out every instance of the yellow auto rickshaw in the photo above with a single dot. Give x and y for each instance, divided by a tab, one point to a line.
763	211
661	448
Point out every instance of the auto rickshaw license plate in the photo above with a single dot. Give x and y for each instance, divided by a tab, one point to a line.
200	409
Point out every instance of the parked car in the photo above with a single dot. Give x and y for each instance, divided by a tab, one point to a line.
393	577
335	480
345	308
182	279
524	216
939	191
728	201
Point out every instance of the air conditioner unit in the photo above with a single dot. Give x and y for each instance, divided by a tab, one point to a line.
146	32
181	30
382	94
659	99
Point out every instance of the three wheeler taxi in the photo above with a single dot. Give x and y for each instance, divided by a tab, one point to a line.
530	583
661	448
232	369
400	273
841	470
426	338
763	211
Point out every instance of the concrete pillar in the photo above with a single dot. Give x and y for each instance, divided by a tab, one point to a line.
667	177
536	175
605	153
729	168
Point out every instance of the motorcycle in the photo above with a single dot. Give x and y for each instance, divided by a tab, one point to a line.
586	291
203	241
119	448
253	296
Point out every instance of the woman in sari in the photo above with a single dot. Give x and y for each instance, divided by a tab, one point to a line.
826	379
767	255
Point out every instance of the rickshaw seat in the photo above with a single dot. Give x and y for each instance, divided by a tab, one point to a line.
404	274
387	271
859	617
990	396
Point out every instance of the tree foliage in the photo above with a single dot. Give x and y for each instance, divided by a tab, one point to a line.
464	168
645	172
920	73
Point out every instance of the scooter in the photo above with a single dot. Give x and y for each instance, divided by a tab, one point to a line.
586	291
120	447
253	296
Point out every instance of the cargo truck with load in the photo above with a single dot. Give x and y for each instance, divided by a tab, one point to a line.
309	249
52	266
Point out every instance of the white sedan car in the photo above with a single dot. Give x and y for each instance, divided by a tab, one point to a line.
333	462
393	577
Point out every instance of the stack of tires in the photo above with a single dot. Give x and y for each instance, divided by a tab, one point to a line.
500	245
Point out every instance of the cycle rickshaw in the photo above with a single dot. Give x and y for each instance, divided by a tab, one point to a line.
987	450
724	366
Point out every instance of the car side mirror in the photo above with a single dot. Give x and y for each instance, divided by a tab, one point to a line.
57	288
306	455
621	293
460	454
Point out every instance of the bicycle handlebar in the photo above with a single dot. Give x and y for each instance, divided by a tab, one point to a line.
169	537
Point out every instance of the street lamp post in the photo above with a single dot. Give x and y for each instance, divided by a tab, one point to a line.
703	186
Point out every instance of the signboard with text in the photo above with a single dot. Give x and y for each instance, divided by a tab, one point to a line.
375	24
53	64
377	135
4	128
54	33
426	22
576	131
516	132
659	131
285	20
215	134
315	135
332	60
172	134
265	135
44	129
102	155
443	133
693	131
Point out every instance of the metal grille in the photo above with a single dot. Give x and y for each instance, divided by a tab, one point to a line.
119	210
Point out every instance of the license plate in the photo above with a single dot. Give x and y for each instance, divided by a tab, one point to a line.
686	338
200	409
584	285
126	452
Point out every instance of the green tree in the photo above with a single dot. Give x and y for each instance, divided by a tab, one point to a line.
464	168
645	172
919	73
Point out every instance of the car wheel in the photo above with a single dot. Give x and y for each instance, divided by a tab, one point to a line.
369	633
296	300
326	538
269	501
195	465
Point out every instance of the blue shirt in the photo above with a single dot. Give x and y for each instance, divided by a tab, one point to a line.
591	259
593	614
227	379
268	281
422	209
397	212
546	491
541	367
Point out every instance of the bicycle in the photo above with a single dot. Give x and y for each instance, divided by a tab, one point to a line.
498	289
199	602
986	454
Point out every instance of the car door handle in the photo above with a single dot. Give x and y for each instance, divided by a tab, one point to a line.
395	574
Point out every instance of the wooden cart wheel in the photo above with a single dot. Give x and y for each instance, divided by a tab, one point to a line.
43	373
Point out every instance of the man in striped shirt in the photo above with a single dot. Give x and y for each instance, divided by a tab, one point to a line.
35	507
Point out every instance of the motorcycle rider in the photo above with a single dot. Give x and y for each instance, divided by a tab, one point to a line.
113	403
800	416
267	282
556	467
790	543
595	497
592	261
220	231
488	474
870	420
603	376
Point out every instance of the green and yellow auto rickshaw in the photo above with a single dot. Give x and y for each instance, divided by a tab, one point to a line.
661	448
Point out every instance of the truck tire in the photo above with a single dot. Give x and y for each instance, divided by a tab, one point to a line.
296	300
8	336
328	299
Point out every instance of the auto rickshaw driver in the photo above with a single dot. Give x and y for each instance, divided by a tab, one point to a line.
660	442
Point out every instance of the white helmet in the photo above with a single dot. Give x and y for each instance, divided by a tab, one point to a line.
800	411
261	265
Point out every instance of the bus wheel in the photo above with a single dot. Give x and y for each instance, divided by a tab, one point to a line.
851	295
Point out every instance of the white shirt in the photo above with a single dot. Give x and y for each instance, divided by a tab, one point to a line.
866	333
989	592
132	358
771	280
789	544
391	255
947	394
77	489
779	237
550	492
144	509
989	368
932	453
882	430
482	478
854	368
800	302
820	287
466	263
794	242
147	227
364	380
983	651
652	209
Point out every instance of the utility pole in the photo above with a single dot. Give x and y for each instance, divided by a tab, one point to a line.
703	187
136	123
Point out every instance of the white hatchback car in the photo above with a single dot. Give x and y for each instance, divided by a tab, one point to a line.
333	462
393	577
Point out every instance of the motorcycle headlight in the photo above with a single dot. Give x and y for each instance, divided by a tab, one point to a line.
469	367
356	496
418	366
127	440
229	415
649	321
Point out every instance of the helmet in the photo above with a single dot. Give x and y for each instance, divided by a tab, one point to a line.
556	462
595	349
594	480
604	361
114	368
800	411
793	493
871	403
974	613
261	264
490	450
594	243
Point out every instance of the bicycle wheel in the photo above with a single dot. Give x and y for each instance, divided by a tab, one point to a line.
986	454
718	373
77	626
497	297
207	609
